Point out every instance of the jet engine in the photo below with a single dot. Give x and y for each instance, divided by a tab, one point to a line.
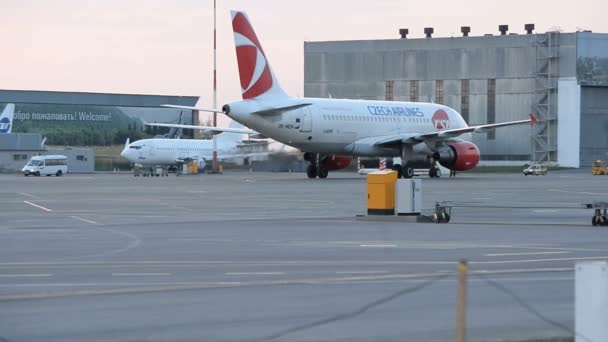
459	156
332	163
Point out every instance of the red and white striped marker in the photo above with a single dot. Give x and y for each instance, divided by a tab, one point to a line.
382	163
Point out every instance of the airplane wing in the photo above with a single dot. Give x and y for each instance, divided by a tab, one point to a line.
413	138
210	110
264	110
207	129
242	155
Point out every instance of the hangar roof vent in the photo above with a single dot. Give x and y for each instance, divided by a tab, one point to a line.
428	31
529	28
503	29
465	30
403	32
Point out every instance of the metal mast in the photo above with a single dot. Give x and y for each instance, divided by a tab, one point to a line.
215	164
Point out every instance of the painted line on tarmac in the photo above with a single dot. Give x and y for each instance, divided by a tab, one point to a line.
525	261
303	263
26	275
160	287
254	273
560	248
362	272
140	274
29	195
377	246
528	253
83	220
577	192
37	206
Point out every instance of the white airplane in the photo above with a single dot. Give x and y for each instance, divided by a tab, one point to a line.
330	131
6	118
154	152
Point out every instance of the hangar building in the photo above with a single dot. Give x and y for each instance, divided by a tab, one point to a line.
560	77
78	119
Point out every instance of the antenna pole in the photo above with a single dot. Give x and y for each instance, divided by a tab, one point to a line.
215	163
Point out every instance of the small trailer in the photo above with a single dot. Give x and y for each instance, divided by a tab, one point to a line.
600	214
443	212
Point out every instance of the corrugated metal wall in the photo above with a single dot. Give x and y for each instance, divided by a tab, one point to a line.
360	69
594	124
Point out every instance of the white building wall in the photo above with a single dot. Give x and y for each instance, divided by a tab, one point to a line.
569	119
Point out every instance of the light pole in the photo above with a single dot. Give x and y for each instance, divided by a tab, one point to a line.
215	163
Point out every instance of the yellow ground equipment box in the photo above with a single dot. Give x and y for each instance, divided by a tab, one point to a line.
599	168
381	192
193	167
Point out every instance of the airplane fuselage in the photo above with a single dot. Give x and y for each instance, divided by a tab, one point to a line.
172	151
341	126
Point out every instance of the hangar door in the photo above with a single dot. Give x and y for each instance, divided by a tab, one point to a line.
594	124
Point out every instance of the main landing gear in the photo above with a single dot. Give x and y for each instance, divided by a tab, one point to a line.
404	172
434	170
407	171
316	168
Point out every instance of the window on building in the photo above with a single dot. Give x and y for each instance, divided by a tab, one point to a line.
414	91
491	107
439	91
464	100
389	90
81	157
19	157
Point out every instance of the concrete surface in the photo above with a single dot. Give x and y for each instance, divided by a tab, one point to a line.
262	256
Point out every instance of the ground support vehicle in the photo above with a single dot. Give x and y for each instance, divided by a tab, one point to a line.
600	213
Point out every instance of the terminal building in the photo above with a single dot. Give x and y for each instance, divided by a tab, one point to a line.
70	122
561	78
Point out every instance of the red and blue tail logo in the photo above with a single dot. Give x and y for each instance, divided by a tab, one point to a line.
254	70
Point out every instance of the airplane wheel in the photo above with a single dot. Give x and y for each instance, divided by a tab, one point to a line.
311	171
594	221
437	172
605	223
432	172
408	172
323	172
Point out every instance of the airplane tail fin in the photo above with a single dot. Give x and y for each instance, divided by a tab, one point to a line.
228	138
255	72
6	118
127	142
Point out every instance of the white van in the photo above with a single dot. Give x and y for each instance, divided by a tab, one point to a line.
46	165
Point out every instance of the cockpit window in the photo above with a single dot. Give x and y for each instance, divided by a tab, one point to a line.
135	147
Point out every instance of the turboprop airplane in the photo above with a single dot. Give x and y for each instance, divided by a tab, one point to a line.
159	152
6	118
331	131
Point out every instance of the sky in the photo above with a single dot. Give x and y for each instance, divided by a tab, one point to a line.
165	47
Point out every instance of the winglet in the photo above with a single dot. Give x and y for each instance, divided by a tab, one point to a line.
532	120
